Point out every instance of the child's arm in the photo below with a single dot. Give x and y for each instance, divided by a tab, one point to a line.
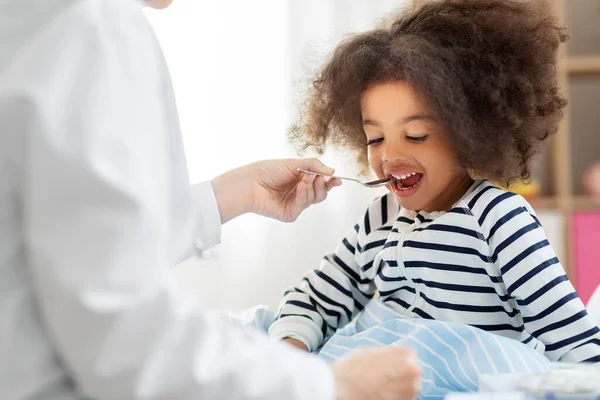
329	297
551	310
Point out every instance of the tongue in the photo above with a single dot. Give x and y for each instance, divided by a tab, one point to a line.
411	180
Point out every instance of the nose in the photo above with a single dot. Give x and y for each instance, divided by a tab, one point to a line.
393	152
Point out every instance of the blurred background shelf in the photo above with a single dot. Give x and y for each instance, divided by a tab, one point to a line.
566	207
583	65
545	203
586	203
574	203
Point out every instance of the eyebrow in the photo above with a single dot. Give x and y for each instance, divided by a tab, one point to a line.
402	121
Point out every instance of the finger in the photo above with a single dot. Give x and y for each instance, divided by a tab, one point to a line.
301	196
314	165
310	191
331	183
416	387
320	190
407	391
405	351
409	388
299	201
407	384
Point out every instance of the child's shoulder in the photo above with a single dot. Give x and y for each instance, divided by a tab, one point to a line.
485	203
489	204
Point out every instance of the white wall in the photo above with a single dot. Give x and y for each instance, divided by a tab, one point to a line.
239	69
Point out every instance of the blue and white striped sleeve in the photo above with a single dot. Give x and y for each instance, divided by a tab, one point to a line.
551	310
327	298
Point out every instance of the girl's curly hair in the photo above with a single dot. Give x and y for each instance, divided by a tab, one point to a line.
487	68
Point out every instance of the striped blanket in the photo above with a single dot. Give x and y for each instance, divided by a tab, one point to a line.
453	356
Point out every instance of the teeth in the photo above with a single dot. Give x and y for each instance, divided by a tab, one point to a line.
406	188
404	176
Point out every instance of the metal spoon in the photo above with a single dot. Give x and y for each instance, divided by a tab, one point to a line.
372	184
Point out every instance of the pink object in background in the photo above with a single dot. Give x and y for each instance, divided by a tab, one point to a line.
591	179
586	253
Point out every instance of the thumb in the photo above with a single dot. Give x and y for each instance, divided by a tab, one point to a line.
314	165
331	183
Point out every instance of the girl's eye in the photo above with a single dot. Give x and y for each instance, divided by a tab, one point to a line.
417	139
374	141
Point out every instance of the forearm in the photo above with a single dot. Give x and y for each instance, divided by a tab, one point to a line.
233	192
310	313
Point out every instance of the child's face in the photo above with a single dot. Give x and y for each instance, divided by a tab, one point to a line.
406	140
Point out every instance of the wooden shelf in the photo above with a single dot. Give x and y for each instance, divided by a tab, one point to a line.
583	65
547	202
573	203
563	161
585	203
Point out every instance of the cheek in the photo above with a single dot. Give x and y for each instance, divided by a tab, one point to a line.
448	168
440	163
374	161
453	164
443	156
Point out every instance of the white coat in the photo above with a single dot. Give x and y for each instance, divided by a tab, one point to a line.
95	209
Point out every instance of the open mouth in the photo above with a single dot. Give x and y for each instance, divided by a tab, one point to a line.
407	181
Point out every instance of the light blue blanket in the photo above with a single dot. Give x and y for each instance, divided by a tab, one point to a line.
452	355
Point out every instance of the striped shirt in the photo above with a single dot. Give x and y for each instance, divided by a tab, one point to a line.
485	263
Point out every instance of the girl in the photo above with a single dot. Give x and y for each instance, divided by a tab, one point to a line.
453	95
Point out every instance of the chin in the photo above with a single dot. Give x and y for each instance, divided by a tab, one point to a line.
409	204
